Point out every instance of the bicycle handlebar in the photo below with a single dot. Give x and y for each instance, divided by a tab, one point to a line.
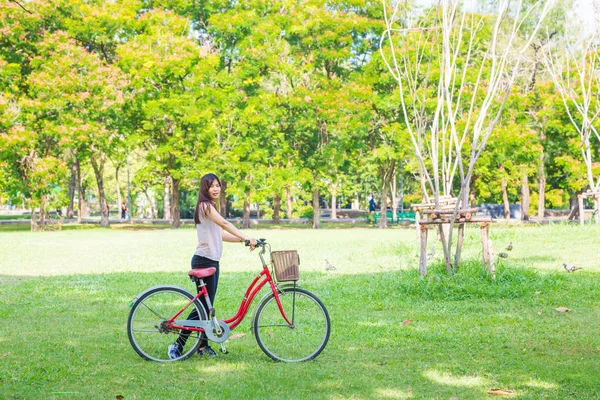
259	242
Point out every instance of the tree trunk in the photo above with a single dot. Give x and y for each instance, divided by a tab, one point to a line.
175	214
542	187
386	179
119	197
167	198
246	215
334	202
276	207
315	204
33	220
423	252
98	166
72	188
81	206
401	193
424	197
223	200
42	213
356	203
581	210
446	246
574	210
151	203
383	207
597	210
503	185
459	242
393	192
525	199
288	200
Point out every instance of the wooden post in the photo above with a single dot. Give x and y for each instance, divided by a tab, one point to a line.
485	230
459	242
423	255
581	209
491	255
417	223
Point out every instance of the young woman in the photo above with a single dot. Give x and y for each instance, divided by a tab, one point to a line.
212	230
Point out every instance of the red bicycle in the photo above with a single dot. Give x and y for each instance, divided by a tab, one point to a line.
290	324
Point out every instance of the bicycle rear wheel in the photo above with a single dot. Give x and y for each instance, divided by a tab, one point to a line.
146	325
308	335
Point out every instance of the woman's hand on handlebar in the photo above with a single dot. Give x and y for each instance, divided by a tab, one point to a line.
251	242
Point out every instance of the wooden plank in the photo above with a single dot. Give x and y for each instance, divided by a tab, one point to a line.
450	212
461	221
480	218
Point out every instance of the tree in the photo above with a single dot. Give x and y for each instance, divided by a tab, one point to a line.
575	76
78	97
471	71
169	77
326	39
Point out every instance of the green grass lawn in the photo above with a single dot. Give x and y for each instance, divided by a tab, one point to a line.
65	299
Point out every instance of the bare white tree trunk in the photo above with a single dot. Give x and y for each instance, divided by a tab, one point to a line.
460	116
394	201
575	75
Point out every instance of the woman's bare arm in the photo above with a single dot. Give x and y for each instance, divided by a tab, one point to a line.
227	226
228	237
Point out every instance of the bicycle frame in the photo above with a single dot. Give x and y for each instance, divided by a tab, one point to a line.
254	287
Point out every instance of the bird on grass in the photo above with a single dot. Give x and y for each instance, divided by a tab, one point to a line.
431	253
570	268
329	266
509	247
503	255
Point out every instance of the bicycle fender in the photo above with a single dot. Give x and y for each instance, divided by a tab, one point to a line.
159	287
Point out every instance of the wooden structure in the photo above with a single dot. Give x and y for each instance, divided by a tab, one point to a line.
589	194
445	203
442	218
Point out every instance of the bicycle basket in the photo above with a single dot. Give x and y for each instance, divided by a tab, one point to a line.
286	264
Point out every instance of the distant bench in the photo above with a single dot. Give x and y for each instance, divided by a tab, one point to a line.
408	216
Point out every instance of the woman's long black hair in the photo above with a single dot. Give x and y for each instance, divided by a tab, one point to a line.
204	199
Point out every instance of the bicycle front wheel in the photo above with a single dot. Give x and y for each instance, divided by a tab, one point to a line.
147	324
308	335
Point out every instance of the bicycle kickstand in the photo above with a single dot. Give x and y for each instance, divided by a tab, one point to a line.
223	349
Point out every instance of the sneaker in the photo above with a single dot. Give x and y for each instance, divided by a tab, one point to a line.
207	351
174	351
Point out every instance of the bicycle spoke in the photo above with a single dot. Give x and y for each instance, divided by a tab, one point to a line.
153	312
147	329
282	342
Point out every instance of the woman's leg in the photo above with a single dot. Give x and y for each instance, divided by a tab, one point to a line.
211	283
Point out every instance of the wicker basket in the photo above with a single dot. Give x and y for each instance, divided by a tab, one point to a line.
286	264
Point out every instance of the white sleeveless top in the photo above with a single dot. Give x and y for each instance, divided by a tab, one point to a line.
210	240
